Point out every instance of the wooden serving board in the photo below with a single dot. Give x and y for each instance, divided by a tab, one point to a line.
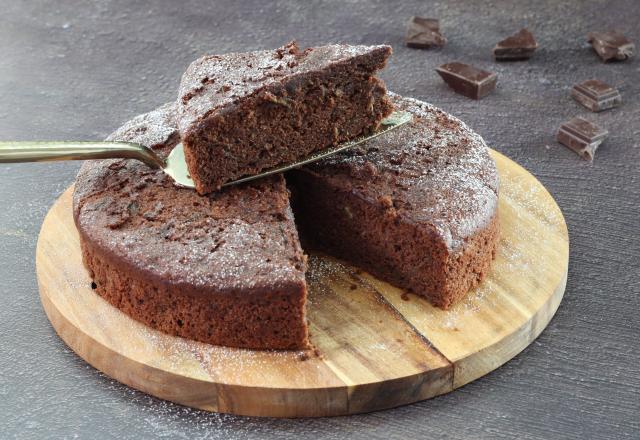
376	346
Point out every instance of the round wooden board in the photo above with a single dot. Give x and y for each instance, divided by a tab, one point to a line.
376	346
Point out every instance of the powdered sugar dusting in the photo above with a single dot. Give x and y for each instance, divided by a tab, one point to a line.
215	81
436	171
153	129
239	238
228	364
523	253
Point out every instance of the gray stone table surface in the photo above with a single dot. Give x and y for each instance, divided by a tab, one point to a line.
77	70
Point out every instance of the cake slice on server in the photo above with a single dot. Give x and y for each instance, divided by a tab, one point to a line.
242	113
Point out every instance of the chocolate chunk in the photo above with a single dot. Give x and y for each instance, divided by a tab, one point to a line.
581	136
611	45
424	33
596	95
467	80
517	47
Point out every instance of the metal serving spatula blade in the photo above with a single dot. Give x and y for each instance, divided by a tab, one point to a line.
174	165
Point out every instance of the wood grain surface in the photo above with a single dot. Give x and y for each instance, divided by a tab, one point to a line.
376	346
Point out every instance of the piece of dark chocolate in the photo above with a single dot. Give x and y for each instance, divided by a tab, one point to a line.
596	95
611	45
467	80
581	136
519	46
424	33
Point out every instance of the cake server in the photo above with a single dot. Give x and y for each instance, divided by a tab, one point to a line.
174	165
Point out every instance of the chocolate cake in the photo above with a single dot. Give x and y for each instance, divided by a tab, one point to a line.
241	113
416	207
224	269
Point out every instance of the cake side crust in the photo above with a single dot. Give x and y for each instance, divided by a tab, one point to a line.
275	321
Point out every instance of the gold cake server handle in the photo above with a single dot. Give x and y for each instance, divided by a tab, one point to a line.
45	151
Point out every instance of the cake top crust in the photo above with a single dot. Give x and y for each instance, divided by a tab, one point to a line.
215	81
435	171
237	241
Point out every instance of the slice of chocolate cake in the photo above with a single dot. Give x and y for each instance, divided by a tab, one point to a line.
416	207
241	113
224	269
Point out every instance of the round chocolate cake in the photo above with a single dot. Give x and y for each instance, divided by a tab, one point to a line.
416	207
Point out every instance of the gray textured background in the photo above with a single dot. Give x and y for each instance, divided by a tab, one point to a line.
75	70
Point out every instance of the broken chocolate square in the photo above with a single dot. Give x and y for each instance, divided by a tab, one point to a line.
611	45
424	33
596	95
581	136
519	46
467	80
